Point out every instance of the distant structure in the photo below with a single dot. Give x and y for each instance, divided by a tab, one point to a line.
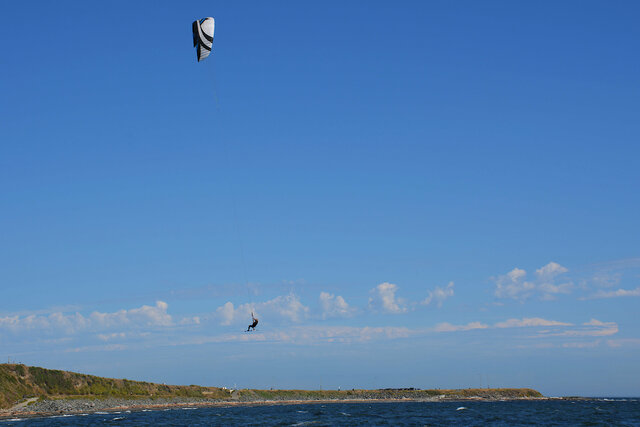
399	389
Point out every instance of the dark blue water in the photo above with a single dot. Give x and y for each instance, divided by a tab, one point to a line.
550	413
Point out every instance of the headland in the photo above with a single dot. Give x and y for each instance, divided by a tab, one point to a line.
34	391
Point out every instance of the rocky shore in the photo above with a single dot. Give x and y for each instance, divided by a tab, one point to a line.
79	406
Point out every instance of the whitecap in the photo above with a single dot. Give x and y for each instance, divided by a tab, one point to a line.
462	408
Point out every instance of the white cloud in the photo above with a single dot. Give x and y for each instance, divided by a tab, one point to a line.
112	336
334	306
619	293
93	348
151	315
621	264
596	322
581	344
226	313
288	307
605	279
546	276
537	345
41	322
350	334
550	271
614	279
514	284
308	335
529	322
143	316
549	288
384	298
195	320
448	327
71	323
439	295
571	344
592	328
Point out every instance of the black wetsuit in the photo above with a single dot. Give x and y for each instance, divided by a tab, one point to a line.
253	325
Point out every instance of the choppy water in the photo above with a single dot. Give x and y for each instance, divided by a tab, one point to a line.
605	412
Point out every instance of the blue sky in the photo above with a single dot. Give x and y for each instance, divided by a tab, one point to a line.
428	194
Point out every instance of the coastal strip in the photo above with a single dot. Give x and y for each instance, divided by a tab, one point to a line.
27	391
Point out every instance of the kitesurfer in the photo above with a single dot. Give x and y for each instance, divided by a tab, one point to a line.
254	324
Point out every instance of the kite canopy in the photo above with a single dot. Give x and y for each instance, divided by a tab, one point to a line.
203	36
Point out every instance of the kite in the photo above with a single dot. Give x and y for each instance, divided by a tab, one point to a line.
203	36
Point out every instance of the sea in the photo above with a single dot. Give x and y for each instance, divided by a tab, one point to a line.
593	412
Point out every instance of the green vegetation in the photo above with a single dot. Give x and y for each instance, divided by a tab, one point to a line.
18	382
500	393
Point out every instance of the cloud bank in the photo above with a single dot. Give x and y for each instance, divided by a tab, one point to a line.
145	316
334	306
286	307
619	293
515	284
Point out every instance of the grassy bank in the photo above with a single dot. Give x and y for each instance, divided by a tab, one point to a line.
495	393
18	382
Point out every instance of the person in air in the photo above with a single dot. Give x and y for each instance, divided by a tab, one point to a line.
254	324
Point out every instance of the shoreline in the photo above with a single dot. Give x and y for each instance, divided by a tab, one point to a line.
31	391
75	407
